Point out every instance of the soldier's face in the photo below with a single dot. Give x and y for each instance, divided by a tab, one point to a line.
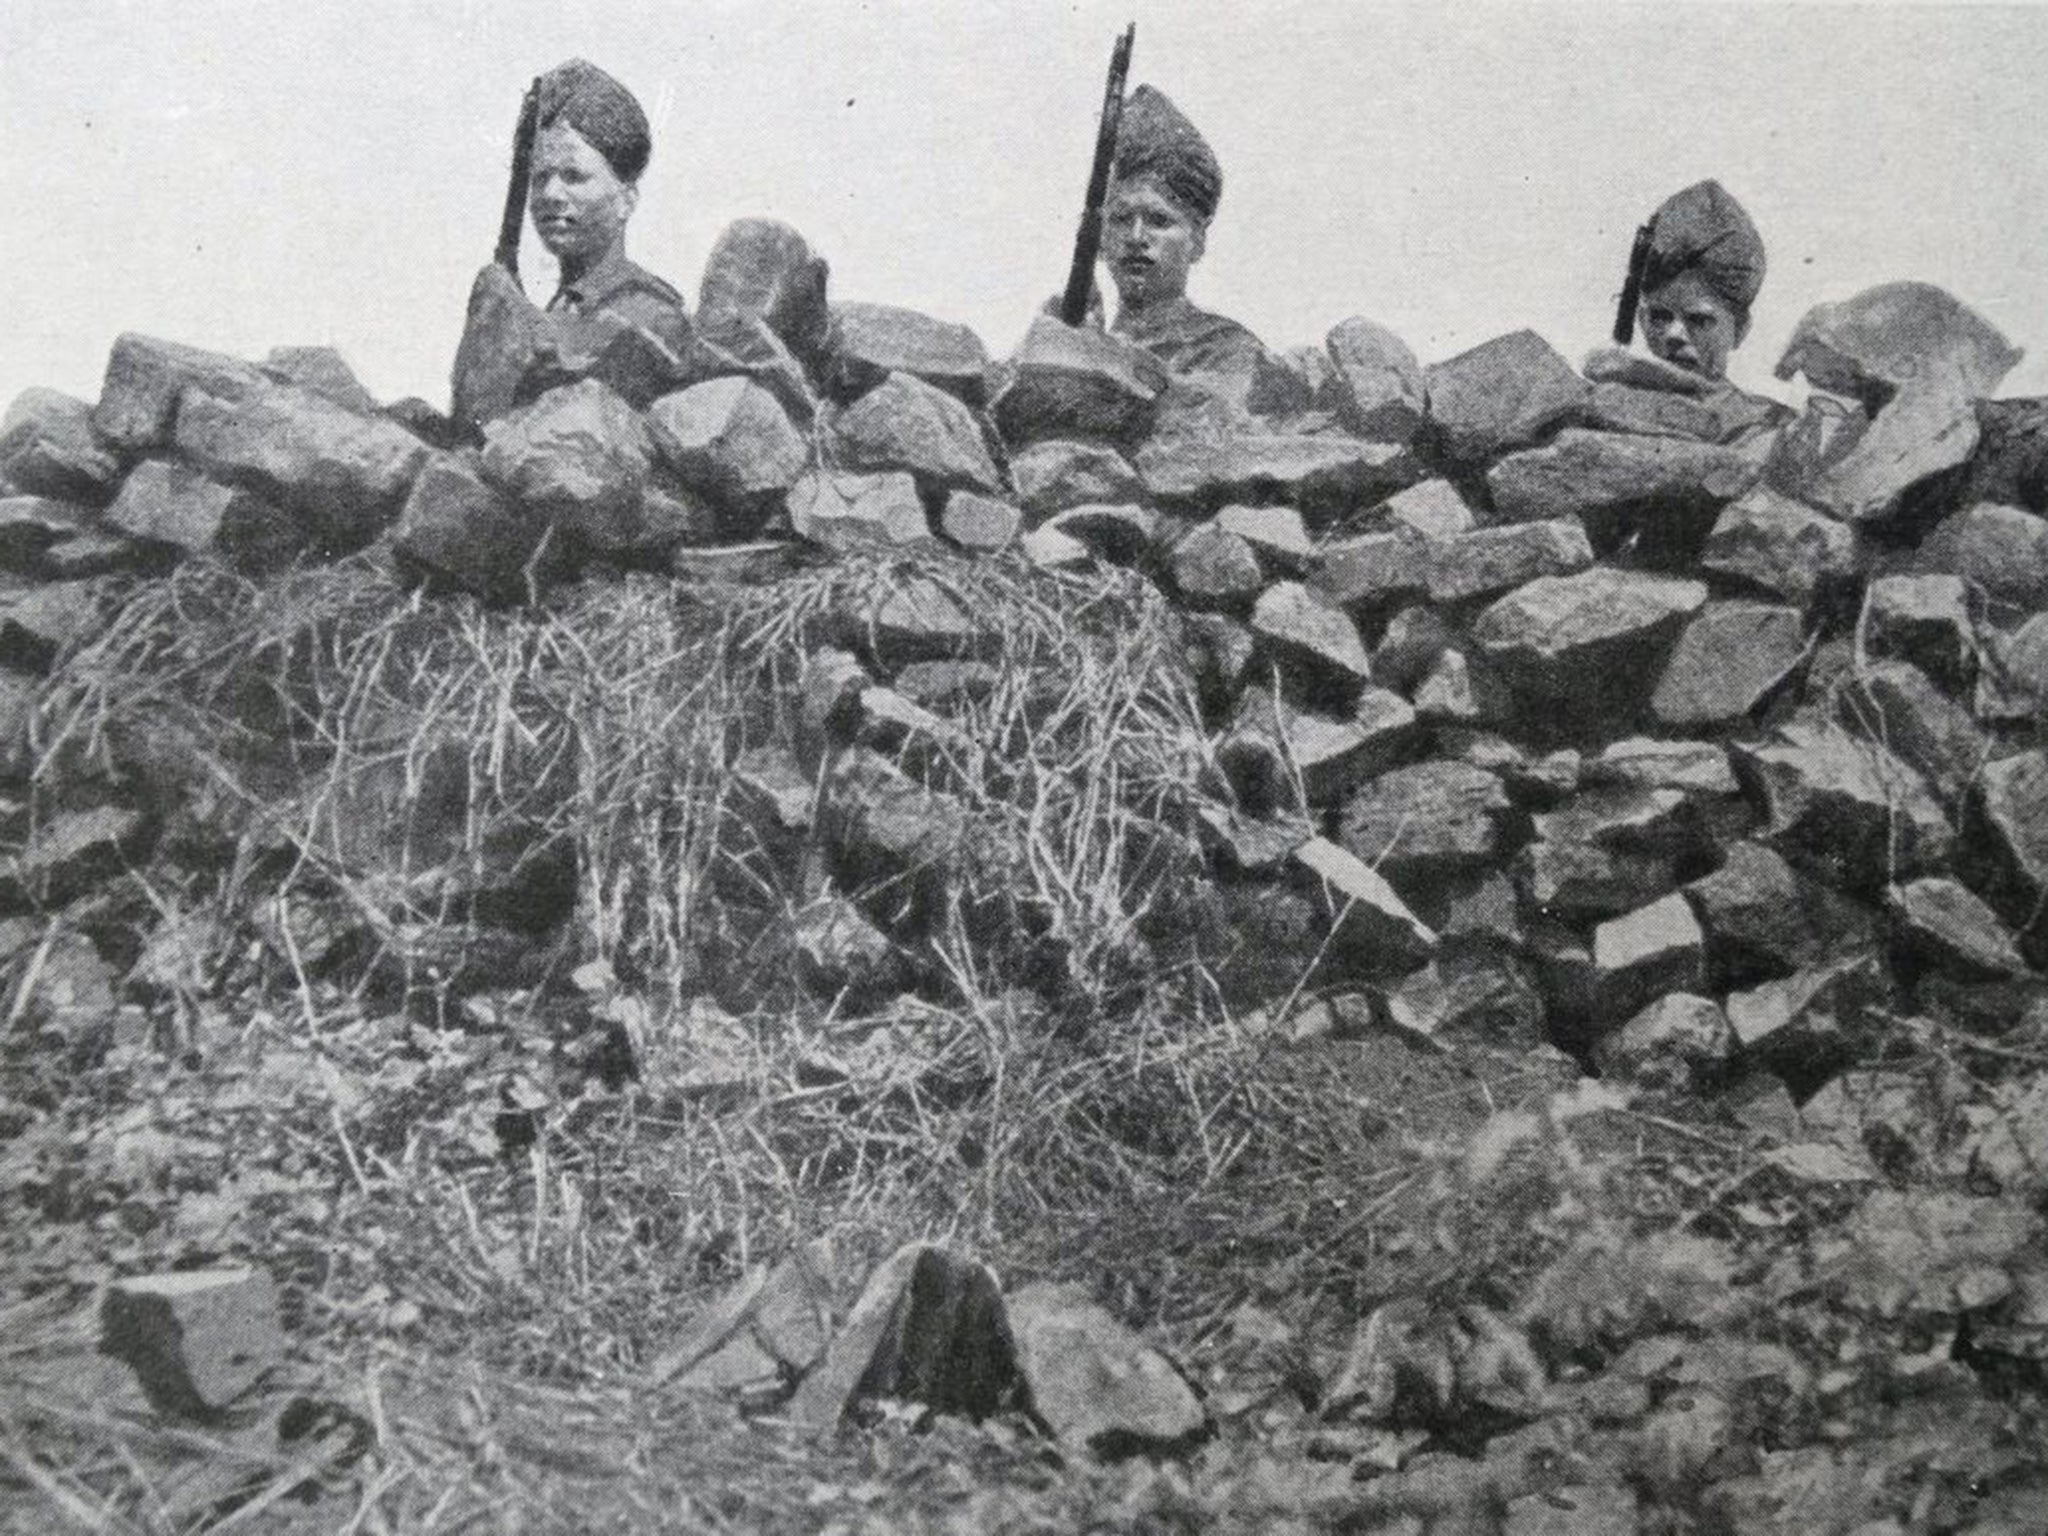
1150	241
1685	322
578	203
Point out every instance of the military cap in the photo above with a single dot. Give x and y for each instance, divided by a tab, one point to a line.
1704	230
579	95
1155	139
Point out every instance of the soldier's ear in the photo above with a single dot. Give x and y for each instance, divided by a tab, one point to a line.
630	195
1200	243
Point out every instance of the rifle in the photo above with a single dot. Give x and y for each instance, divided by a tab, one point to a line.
1088	240
1632	288
514	220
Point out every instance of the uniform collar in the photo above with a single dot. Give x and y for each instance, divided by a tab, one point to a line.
597	284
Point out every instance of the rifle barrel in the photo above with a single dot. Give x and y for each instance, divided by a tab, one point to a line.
1088	241
513	221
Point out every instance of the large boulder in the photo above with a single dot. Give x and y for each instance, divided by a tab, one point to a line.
1436	509
1215	568
581	458
843	512
1588	643
1375	932
1503	394
1899	711
1375	386
169	503
1272	739
1427	820
347	475
2001	551
1055	475
1320	475
1594	473
1894	337
145	380
1077	382
730	439
1489	561
1763	918
323	371
872	341
1921	434
1276	535
1311	640
1372	571
461	528
904	423
1732	657
1779	546
1645	953
1851	810
1943	924
1927	620
762	269
983	524
48	448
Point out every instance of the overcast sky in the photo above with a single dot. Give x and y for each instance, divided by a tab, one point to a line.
244	175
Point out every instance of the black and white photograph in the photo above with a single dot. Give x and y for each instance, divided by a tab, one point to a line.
1024	768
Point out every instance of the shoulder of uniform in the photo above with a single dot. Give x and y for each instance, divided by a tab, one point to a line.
661	288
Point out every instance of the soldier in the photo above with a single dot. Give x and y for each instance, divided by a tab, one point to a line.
1164	189
590	147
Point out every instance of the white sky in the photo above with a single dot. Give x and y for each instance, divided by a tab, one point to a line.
244	175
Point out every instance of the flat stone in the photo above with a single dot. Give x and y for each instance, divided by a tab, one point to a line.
1302	632
844	512
730	440
1052	476
1579	882
2000	551
41	622
1318	475
1121	534
1658	820
323	371
1652	950
461	528
1946	925
1926	620
1096	1384
980	523
1077	382
1603	472
1375	387
1434	508
145	380
1503	394
939	683
1899	711
48	448
1807	1026
1860	815
1275	534
1372	571
1472	994
1763	918
1676	1043
197	1339
1214	568
1895	336
348	475
1779	546
749	564
580	457
1697	768
94	554
1376	931
1426	820
1617	407
2009	804
1489	561
1586	642
872	341
1732	658
928	1328
764	269
905	423
1641	370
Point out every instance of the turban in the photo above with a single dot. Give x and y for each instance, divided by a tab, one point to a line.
579	95
1155	140
1704	230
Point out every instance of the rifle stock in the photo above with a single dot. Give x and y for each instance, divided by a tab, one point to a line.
1088	241
513	221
